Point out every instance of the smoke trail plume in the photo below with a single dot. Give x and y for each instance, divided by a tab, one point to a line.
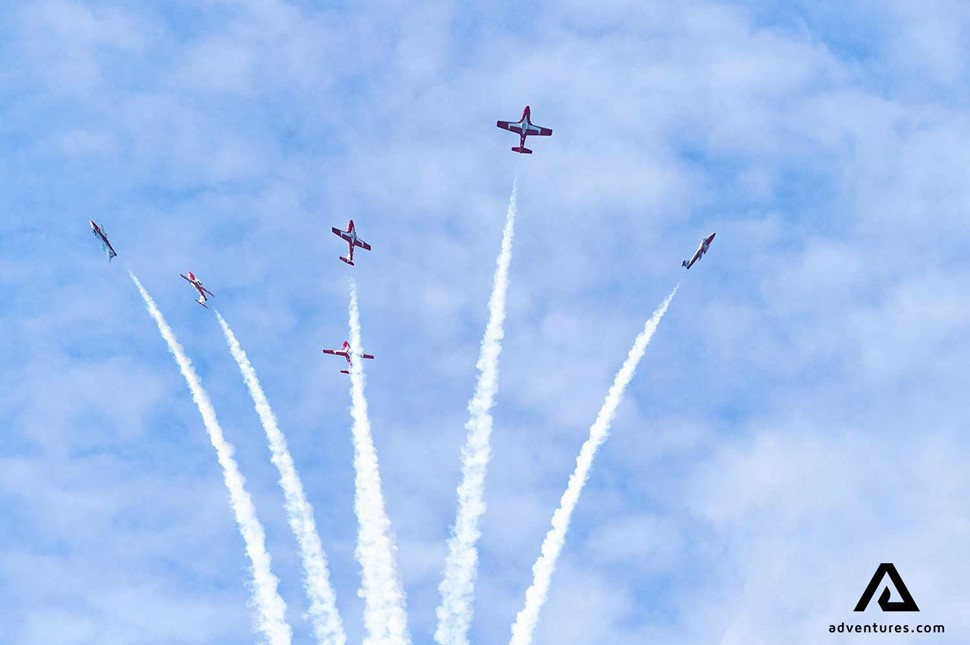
323	608
523	630
270	608
458	585
385	617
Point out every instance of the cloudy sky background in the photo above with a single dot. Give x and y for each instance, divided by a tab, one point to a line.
799	418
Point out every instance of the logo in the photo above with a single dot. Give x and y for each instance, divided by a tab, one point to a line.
887	569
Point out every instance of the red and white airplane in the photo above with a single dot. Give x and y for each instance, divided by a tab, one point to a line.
346	353
103	238
699	253
524	127
350	237
195	282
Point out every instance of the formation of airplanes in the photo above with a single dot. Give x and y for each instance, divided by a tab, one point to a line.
523	127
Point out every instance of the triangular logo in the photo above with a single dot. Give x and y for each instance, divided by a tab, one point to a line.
906	604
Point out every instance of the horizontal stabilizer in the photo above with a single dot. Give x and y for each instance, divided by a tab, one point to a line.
345	371
522	150
685	265
346	260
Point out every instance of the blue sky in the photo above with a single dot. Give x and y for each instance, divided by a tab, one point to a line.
799	417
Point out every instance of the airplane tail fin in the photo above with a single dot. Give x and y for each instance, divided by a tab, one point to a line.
684	264
522	150
346	260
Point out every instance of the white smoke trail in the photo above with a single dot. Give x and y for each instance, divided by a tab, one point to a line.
458	585
523	630
270	608
385	617
323	603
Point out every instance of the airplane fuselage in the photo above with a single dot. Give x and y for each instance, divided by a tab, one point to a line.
105	244
352	239
347	353
197	285
524	128
699	253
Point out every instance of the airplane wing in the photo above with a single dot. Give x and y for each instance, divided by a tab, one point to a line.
184	277
510	126
343	234
367	356
364	245
207	291
335	352
539	131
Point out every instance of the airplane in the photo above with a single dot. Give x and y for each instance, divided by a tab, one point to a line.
524	127
350	236
346	353
195	282
699	253
105	244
